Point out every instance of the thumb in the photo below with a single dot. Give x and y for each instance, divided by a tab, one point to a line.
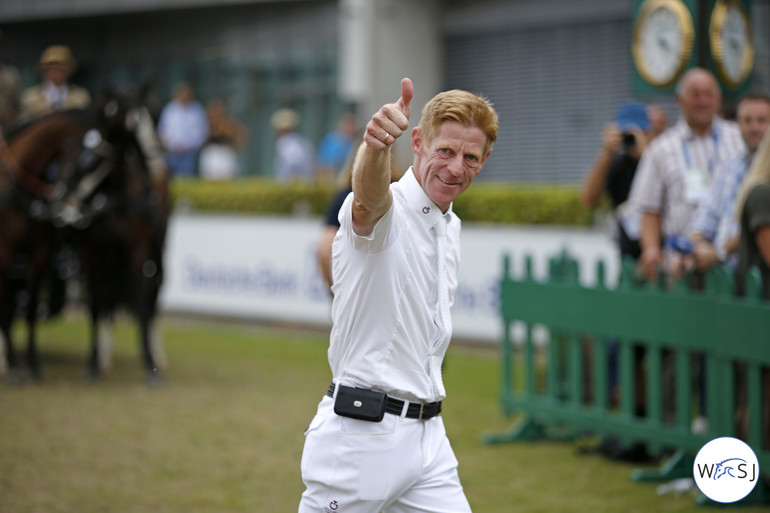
407	92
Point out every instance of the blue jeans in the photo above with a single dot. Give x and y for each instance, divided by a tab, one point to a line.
182	164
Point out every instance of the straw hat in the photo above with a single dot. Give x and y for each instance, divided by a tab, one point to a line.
284	120
57	54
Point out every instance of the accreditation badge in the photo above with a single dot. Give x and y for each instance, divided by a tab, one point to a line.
696	184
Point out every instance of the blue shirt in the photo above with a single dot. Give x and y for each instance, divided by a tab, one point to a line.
715	218
333	150
181	127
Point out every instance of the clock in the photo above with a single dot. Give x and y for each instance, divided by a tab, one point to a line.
730	42
662	42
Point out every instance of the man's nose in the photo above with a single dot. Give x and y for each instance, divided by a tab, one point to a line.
456	165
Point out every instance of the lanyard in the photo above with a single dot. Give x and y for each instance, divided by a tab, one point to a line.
712	158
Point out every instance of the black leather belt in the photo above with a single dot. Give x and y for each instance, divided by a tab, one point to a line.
420	411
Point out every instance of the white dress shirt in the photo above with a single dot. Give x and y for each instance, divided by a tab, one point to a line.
388	333
56	95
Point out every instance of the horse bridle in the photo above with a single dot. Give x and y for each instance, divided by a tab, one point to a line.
69	210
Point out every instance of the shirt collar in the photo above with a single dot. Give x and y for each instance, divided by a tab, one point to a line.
418	201
689	135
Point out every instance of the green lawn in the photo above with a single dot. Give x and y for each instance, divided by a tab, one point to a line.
224	434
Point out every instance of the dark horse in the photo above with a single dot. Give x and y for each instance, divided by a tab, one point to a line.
110	196
29	207
125	199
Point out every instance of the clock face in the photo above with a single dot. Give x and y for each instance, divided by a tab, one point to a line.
662	43
731	45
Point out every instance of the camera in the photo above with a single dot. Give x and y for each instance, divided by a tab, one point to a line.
629	140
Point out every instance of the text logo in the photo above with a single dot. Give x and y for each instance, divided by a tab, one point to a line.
726	469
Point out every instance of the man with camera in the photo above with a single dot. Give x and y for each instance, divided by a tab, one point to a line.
623	142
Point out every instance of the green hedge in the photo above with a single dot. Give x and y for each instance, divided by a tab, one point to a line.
484	202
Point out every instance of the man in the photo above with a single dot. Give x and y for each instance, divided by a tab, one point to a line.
676	168
335	147
182	128
395	260
55	92
623	142
715	230
293	151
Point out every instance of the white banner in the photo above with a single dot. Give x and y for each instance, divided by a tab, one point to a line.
265	268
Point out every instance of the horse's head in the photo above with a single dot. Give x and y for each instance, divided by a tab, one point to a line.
120	156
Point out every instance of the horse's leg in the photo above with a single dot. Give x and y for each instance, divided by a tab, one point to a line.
99	358
7	307
38	266
104	343
143	298
8	361
31	317
152	351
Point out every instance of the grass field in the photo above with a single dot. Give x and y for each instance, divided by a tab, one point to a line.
224	434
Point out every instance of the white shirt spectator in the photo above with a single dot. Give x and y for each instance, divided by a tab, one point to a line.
294	158
676	170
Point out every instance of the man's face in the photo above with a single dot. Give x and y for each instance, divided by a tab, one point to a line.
446	165
57	74
753	119
700	101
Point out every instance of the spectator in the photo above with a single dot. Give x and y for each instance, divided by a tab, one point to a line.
715	230
332	222
675	170
10	94
335	147
55	92
753	209
227	138
623	142
293	152
182	129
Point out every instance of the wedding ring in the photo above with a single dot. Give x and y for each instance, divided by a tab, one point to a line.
387	138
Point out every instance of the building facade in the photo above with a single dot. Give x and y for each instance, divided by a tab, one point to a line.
555	69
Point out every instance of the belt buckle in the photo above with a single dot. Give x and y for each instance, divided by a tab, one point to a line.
422	407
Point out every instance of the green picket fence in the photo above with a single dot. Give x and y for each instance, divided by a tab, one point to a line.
556	375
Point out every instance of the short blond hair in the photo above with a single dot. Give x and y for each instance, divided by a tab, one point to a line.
462	107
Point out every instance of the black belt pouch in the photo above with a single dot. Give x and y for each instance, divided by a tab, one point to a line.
360	403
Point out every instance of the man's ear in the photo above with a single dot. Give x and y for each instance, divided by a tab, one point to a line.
417	140
485	157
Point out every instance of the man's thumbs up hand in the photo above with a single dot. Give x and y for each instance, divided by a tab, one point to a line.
391	120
